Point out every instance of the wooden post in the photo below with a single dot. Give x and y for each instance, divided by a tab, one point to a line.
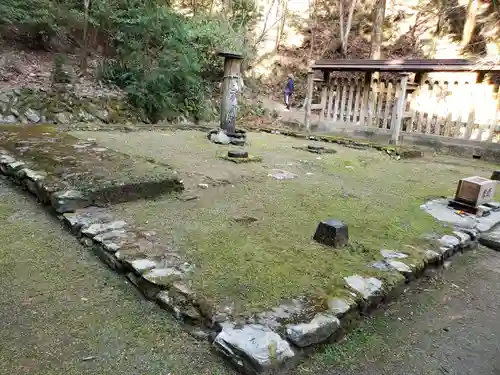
324	95
495	116
400	109
230	89
310	86
480	77
365	99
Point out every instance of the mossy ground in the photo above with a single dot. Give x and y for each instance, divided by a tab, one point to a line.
77	164
256	266
63	312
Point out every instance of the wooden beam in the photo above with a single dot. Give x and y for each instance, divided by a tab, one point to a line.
309	93
401	103
324	94
412	66
365	98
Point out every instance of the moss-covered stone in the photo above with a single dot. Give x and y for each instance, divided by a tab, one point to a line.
249	159
50	103
101	175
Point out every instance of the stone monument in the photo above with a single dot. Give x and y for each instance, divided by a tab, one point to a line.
474	194
230	90
332	233
231	86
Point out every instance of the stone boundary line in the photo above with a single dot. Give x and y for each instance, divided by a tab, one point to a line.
267	343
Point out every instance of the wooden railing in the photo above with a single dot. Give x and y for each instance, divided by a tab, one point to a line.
453	109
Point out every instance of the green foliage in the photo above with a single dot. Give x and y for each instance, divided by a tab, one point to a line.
37	21
59	75
166	62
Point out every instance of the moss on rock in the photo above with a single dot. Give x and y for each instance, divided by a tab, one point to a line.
102	175
50	103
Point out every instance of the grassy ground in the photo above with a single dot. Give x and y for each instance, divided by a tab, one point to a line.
63	312
256	265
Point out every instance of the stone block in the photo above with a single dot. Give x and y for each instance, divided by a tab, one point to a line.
107	258
318	330
449	241
95	229
332	233
237	154
12	168
82	219
276	317
464	238
253	348
180	305
368	287
390	254
340	306
150	291
113	241
432	257
163	277
68	201
475	190
491	238
141	266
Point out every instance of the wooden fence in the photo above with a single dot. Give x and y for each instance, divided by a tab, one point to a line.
454	109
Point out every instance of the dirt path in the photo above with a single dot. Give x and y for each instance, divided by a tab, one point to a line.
62	312
293	115
448	326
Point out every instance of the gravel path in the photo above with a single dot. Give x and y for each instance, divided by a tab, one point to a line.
62	312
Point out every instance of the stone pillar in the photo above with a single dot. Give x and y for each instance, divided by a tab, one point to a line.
230	89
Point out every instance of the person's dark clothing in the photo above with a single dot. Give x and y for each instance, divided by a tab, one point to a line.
290	86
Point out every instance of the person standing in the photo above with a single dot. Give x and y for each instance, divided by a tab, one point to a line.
290	86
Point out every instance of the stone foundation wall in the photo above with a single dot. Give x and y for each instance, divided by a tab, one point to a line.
30	106
269	342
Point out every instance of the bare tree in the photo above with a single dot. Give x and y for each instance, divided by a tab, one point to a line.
377	35
345	27
470	22
83	61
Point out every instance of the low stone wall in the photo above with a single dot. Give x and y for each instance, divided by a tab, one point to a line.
268	342
444	145
27	106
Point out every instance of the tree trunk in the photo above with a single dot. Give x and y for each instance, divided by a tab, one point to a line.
83	61
377	35
470	22
344	31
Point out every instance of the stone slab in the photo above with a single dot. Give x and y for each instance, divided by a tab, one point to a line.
367	287
253	348
491	238
439	209
71	165
316	331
